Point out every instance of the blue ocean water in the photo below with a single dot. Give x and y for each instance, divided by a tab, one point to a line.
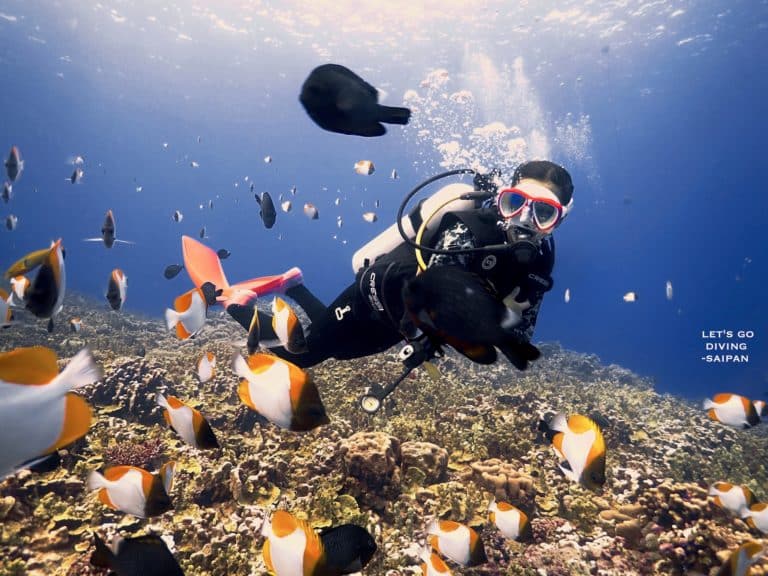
656	108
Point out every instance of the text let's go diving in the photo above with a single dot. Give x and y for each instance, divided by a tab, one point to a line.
726	346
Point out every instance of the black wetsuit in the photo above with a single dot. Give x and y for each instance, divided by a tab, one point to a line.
366	317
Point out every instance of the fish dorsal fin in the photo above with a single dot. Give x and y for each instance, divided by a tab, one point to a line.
175	403
580	424
448	525
31	366
183	302
114	473
258	363
283	523
721	398
505	506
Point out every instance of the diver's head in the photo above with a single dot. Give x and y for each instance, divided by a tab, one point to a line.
536	202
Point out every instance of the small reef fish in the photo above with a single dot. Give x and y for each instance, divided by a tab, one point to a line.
732	410
20	286
432	564
7	192
338	100
194	164
267	210
117	289
393	175
287	327
348	548
76	324
188	423
254	330
11	222
567	296
511	521
76	176
14	165
339	222
740	561
761	408
133	490
364	167
37	408
188	314
734	499
206	367
146	555
668	290
579	442
370	217
172	270
108	232
457	542
45	297
310	211
223	253
202	233
178	216
630	297
292	547
293	190
6	313
757	517
286	206
280	391
267	159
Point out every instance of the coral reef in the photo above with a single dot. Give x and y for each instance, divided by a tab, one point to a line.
439	448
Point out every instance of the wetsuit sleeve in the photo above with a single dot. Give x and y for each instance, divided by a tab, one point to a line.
455	237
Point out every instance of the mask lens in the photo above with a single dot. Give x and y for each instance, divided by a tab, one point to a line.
546	214
510	203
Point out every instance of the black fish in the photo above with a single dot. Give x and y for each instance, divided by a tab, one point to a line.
338	100
14	165
461	309
202	232
141	351
172	270
267	212
44	464
142	556
108	230
210	293
348	548
7	192
223	253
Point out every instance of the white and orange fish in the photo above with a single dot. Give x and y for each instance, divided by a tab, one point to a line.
735	499
511	521
188	314
134	490
761	408
757	517
19	289
188	423
38	411
579	442
364	167
76	324
457	542
45	297
206	367
6	313
287	327
742	559
432	564
280	391
292	547
732	410
117	289
310	211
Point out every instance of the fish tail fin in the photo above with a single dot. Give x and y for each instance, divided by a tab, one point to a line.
171	318
240	366
96	480
166	473
161	401
394	115
80	371
570	474
707	404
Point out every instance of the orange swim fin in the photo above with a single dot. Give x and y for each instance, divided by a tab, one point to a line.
203	265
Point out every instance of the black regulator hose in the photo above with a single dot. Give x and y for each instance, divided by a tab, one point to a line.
428	249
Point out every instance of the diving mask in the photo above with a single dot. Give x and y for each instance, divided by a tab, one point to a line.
532	206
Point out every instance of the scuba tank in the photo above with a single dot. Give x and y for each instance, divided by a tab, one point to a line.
448	198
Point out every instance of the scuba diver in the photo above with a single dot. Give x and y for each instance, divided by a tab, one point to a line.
468	268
